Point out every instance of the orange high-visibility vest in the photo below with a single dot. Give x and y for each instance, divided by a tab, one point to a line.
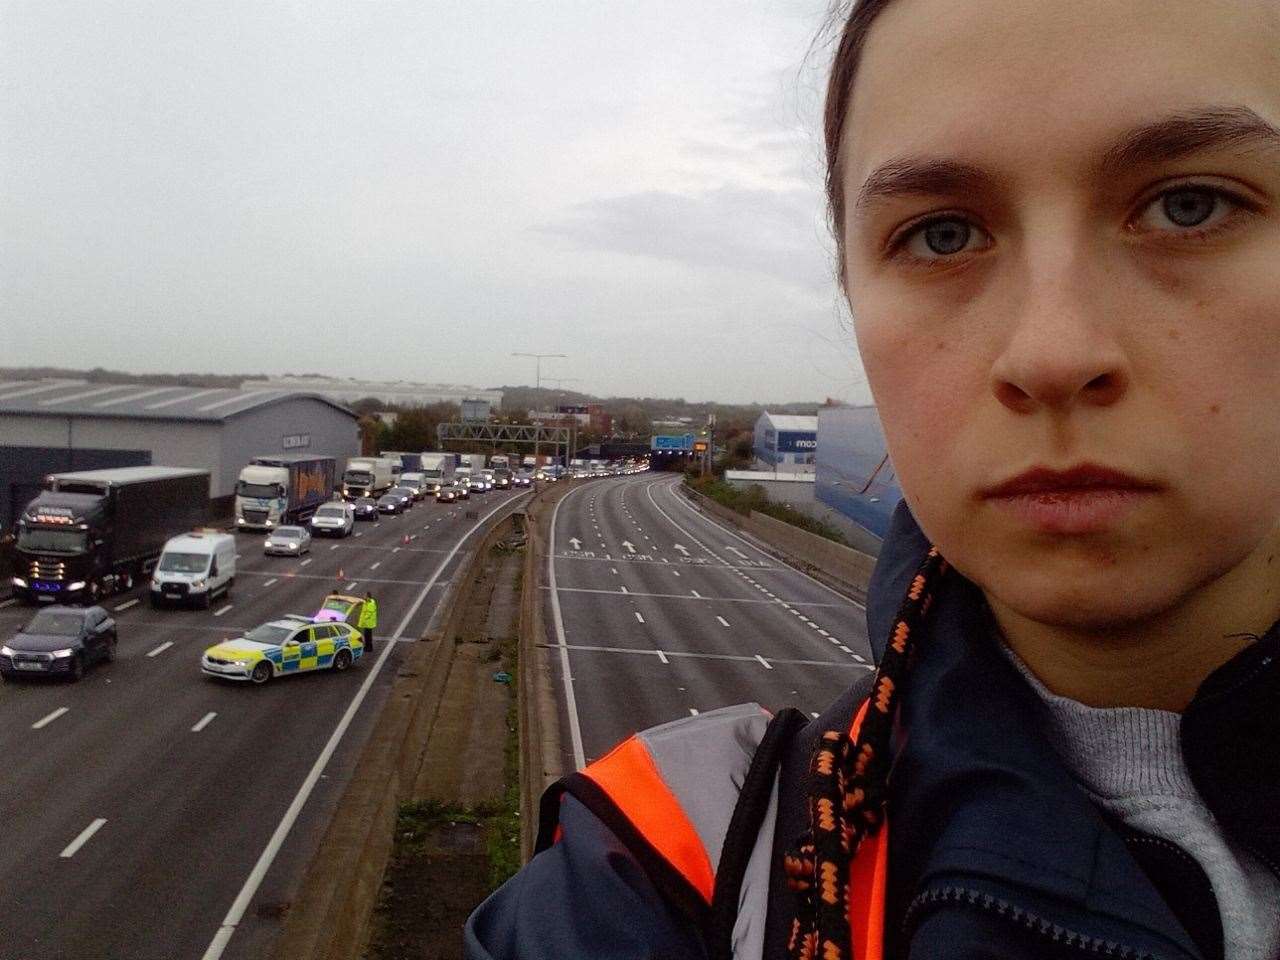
676	785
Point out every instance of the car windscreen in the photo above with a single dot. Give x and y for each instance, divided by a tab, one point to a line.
336	512
357	476
55	623
388	498
183	562
268	633
401	491
288	533
366	502
52	541
342	606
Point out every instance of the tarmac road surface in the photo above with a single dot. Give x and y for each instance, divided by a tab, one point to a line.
662	613
136	803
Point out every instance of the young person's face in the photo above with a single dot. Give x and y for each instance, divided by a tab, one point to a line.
1098	290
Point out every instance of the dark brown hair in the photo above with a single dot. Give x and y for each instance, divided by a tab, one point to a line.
844	67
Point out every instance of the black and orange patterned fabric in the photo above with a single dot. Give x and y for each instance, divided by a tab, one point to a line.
846	800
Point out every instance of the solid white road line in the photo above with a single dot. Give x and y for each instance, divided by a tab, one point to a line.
70	849
270	582
638	617
671	487
203	722
241	903
571	702
662	656
45	721
161	649
722	621
221	610
127	604
305	562
763	662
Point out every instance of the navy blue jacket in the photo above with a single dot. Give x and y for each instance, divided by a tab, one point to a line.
994	853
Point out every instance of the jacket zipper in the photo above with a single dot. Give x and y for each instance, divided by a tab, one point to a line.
1033	923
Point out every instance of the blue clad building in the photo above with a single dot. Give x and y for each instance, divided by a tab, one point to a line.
785	443
853	474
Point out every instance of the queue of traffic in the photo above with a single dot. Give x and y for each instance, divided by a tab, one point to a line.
92	534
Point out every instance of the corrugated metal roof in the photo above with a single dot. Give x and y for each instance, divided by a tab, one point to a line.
140	400
780	421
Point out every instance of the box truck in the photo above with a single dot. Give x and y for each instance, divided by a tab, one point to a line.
273	491
97	532
439	468
366	477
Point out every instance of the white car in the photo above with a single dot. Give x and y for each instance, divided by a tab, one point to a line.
335	519
287	541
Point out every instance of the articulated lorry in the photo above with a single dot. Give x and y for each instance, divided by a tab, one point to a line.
97	532
438	468
473	460
367	477
274	491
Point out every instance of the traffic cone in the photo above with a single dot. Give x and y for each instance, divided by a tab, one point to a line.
341	575
406	539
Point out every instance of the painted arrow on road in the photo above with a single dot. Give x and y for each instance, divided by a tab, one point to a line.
738	552
682	548
629	545
577	544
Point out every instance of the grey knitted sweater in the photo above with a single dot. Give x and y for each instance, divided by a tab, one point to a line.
1129	762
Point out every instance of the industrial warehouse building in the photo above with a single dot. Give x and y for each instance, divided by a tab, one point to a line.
853	474
53	426
399	392
785	443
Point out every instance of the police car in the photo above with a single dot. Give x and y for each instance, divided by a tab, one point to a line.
287	645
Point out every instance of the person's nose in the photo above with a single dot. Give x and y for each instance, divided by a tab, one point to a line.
1060	349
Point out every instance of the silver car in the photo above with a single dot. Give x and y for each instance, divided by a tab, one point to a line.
287	541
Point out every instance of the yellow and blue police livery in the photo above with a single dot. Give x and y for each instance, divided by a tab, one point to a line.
288	645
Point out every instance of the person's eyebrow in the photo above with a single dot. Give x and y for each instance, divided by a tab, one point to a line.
1184	134
1170	138
920	176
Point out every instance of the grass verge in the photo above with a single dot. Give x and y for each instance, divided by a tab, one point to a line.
754	498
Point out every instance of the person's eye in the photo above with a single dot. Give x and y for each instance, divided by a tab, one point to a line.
939	239
1191	210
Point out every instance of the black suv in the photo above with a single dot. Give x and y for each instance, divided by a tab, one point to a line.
60	642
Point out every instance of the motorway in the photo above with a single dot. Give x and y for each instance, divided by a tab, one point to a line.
658	612
148	810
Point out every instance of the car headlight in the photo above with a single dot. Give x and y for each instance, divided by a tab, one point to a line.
6	651
78	585
19	582
293	546
63	654
196	584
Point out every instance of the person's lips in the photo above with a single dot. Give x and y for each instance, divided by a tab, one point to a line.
1082	499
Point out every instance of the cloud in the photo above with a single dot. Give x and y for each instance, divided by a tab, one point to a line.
777	233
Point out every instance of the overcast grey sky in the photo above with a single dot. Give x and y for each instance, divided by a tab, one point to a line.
414	189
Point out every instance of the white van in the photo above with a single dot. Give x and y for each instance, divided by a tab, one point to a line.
194	568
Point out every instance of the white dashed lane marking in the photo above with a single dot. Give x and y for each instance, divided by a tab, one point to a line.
203	722
49	718
161	649
70	849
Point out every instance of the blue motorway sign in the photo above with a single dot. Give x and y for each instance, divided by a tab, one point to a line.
671	442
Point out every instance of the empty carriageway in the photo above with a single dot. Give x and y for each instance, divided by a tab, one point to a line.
659	613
